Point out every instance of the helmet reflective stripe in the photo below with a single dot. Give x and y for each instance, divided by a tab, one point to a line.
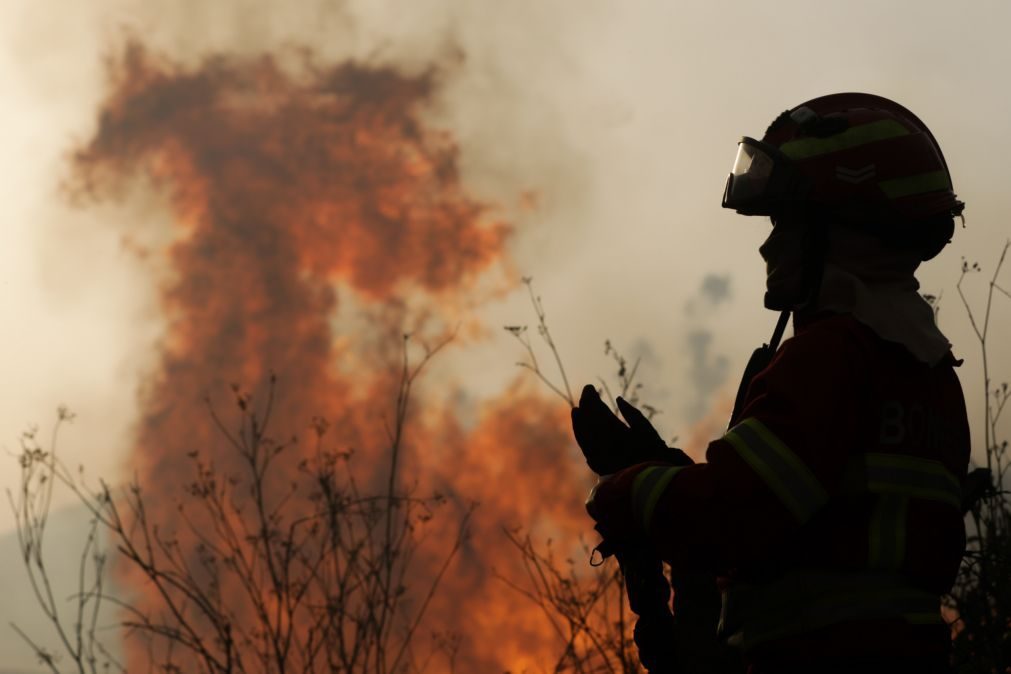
821	150
886	543
803	148
647	488
909	476
933	181
781	469
804	601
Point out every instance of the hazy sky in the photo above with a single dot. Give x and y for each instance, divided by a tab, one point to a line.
623	117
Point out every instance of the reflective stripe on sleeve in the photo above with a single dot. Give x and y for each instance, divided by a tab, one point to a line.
912	477
781	469
802	601
647	489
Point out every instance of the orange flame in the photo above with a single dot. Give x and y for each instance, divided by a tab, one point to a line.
285	185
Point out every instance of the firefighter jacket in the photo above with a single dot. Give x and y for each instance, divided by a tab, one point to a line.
831	508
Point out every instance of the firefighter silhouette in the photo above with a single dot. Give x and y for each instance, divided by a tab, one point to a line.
830	512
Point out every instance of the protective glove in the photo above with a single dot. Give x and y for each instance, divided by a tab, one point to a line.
610	445
617	453
610	505
648	597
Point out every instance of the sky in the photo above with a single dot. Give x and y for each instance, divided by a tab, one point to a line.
620	119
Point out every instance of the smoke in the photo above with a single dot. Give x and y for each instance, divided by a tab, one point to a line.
707	371
316	216
715	289
610	122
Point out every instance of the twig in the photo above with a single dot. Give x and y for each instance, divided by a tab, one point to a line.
519	332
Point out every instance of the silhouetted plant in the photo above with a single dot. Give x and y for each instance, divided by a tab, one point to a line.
585	605
981	598
587	610
321	578
596	632
78	642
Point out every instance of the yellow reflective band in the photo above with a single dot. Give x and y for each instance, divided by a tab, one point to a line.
803	148
912	606
935	181
886	544
925	618
647	488
910	476
803	601
781	469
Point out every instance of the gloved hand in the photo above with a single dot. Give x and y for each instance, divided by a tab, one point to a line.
609	445
610	505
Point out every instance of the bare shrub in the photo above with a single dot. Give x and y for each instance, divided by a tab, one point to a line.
981	599
319	577
584	603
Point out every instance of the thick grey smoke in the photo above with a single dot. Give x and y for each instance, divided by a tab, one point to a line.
712	292
707	368
707	373
715	288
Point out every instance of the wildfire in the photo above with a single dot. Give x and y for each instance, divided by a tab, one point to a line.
291	187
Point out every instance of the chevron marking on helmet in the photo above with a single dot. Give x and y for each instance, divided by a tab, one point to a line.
855	176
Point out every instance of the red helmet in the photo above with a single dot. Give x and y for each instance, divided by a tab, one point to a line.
854	158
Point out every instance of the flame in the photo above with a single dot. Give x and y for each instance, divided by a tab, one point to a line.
296	191
521	466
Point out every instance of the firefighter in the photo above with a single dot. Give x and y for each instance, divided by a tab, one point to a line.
830	509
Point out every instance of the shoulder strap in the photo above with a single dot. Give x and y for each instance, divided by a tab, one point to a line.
760	359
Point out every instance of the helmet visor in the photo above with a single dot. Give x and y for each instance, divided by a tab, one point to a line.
750	176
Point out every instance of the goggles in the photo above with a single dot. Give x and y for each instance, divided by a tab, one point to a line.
762	178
